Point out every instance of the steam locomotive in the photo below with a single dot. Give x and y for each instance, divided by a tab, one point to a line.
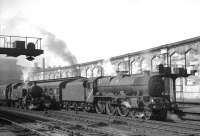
23	95
146	95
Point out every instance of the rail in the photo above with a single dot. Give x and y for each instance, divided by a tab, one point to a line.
122	123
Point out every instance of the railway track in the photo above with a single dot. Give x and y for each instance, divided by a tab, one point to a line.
10	128
51	126
140	127
177	128
20	129
33	127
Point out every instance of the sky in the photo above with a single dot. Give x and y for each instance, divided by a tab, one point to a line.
99	29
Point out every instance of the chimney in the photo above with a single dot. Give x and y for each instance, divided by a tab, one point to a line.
43	67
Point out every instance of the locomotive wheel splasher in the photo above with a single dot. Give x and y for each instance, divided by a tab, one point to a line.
110	108
99	107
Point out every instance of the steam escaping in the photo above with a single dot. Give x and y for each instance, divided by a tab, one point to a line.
19	26
58	47
56	51
9	71
109	69
54	47
26	71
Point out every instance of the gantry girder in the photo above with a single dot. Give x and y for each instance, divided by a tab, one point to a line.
15	46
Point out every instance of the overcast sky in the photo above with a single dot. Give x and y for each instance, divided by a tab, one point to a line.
97	29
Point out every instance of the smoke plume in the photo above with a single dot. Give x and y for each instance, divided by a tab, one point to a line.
9	71
55	49
26	71
58	47
15	21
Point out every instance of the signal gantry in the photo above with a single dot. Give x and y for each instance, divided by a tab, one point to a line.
15	46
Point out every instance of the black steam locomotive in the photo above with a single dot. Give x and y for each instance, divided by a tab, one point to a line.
23	95
146	95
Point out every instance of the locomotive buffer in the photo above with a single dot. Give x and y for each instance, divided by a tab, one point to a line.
15	46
